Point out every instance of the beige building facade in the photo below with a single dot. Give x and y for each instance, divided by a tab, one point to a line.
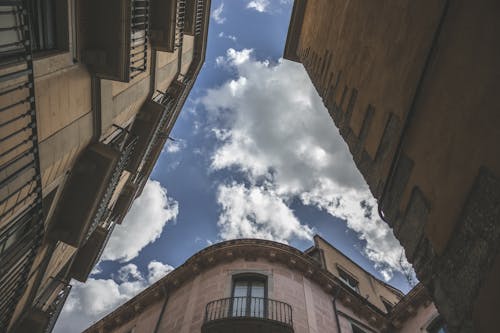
252	285
412	88
89	92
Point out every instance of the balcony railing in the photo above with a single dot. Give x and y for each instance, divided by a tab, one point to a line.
180	20
168	102
139	31
198	20
42	316
126	150
21	223
52	307
249	307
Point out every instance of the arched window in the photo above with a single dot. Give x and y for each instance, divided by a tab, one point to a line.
249	295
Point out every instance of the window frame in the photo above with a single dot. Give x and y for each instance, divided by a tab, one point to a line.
249	278
387	304
341	270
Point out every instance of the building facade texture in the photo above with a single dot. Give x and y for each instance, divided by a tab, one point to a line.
412	88
251	285
89	92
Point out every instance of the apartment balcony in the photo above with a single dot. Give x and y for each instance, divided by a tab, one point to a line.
21	222
167	24
194	17
113	37
124	201
149	122
246	315
89	188
43	315
87	256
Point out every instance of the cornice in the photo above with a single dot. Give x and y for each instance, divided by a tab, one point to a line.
228	251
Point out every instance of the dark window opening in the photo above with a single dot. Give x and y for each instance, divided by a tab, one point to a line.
43	24
48	26
356	329
249	296
349	280
388	305
437	326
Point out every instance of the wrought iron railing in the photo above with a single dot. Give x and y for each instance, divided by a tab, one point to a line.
52	306
126	150
249	307
21	222
198	20
168	102
180	21
139	37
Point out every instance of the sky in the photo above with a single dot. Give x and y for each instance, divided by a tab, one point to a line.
255	155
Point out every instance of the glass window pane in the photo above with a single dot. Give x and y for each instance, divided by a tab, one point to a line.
240	289
258	289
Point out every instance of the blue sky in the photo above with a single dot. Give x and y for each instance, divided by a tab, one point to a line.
255	155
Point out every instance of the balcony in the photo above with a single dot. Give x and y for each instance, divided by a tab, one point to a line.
149	122
43	315
113	37
246	315
21	222
88	255
89	188
194	17
124	201
167	24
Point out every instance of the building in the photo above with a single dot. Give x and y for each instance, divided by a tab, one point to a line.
251	285
412	87
89	92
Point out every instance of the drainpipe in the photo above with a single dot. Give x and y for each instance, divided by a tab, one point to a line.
334	303
163	308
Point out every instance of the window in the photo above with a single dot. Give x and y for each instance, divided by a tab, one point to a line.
356	329
249	295
49	27
437	326
388	305
348	279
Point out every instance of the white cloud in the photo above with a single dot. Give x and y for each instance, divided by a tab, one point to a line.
175	146
231	37
257	212
258	5
143	223
278	133
217	14
157	270
90	301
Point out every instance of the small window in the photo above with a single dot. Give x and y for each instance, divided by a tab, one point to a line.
49	27
348	279
437	326
249	295
388	305
356	329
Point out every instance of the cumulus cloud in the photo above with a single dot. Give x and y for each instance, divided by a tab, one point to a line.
217	14
90	301
152	209
258	5
257	212
279	135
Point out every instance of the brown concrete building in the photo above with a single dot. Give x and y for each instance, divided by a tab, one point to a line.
412	87
89	92
251	285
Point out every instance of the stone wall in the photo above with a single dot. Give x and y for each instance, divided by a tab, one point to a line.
412	88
